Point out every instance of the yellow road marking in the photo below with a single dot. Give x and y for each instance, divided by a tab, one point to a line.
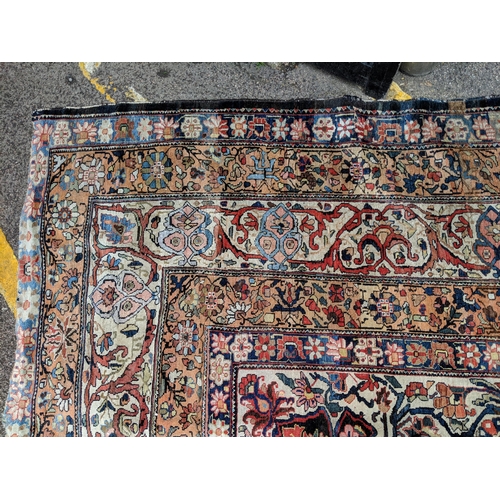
84	67
88	69
132	94
8	273
395	93
91	66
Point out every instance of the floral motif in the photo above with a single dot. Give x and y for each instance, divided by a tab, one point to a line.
363	128
237	312
469	355
451	400
456	129
219	369
144	128
416	354
186	337
220	343
280	128
307	288
191	127
334	315
218	402
23	372
314	348
90	176
265	347
85	132
29	268
217	126
118	230
121	297
165	128
307	396
492	355
349	431
412	131
339	349
32	205
299	130
483	129
41	135
239	126
241	347
62	398
324	128
384	308
395	354
211	300
38	168
106	131
345	128
156	170
416	390
17	406
65	214
367	352
430	129
61	134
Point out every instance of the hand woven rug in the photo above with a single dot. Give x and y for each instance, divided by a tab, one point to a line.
261	269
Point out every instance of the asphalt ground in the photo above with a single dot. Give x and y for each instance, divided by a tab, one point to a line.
25	87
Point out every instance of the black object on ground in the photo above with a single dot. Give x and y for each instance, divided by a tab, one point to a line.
374	78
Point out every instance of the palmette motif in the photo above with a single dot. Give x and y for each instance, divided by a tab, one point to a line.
244	272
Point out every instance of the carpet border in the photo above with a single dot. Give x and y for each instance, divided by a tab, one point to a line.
430	105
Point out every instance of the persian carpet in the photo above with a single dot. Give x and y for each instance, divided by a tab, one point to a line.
326	268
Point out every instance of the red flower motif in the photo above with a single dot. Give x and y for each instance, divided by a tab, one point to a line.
336	293
334	315
363	128
412	131
430	129
265	347
469	355
417	354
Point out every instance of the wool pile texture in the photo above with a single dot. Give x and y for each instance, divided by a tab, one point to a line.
323	268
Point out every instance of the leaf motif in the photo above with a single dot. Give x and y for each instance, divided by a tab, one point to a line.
172	429
286	380
180	173
393	381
